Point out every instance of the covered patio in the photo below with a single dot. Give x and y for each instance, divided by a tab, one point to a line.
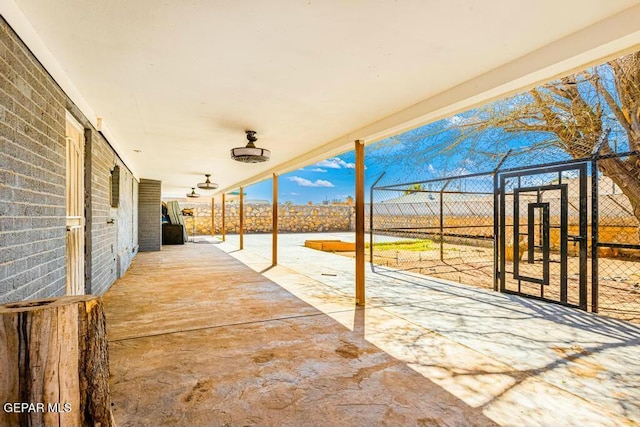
107	107
207	334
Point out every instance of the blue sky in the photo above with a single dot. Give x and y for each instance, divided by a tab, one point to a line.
406	157
330	179
334	178
425	153
417	155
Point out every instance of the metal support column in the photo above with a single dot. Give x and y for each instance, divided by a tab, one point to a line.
223	229
241	218
274	238
213	214
360	290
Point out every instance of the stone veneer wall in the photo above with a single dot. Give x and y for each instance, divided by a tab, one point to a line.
291	218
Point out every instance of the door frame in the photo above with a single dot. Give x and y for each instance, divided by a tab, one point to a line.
74	205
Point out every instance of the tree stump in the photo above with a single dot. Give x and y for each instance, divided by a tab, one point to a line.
54	363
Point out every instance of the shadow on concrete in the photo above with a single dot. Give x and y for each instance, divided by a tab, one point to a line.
526	333
223	345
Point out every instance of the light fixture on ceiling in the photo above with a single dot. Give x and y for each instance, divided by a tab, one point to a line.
207	185
193	193
250	153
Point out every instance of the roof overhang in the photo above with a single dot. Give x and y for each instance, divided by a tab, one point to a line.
182	81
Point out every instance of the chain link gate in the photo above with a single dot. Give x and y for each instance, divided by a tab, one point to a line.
547	208
575	240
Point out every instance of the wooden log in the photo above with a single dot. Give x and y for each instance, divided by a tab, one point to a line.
54	363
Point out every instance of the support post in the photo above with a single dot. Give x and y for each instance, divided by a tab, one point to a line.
360	291
213	215
274	238
241	218
223	229
496	232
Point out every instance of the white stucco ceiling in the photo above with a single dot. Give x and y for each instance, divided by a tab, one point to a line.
182	80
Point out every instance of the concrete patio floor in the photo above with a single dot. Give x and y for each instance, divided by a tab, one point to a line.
197	338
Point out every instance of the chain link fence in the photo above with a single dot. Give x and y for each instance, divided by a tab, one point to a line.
441	227
618	243
559	245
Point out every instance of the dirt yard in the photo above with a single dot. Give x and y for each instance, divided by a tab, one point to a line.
619	279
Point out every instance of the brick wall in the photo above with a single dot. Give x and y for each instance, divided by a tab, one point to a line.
114	237
149	215
32	176
32	183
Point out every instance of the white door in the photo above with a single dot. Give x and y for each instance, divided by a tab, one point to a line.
75	207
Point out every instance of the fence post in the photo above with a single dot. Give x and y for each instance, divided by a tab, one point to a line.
371	217
595	225
441	225
496	220
594	235
446	184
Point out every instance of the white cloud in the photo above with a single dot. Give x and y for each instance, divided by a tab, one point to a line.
318	170
328	164
335	163
306	183
430	168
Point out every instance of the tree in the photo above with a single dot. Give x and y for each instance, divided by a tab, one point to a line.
572	114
